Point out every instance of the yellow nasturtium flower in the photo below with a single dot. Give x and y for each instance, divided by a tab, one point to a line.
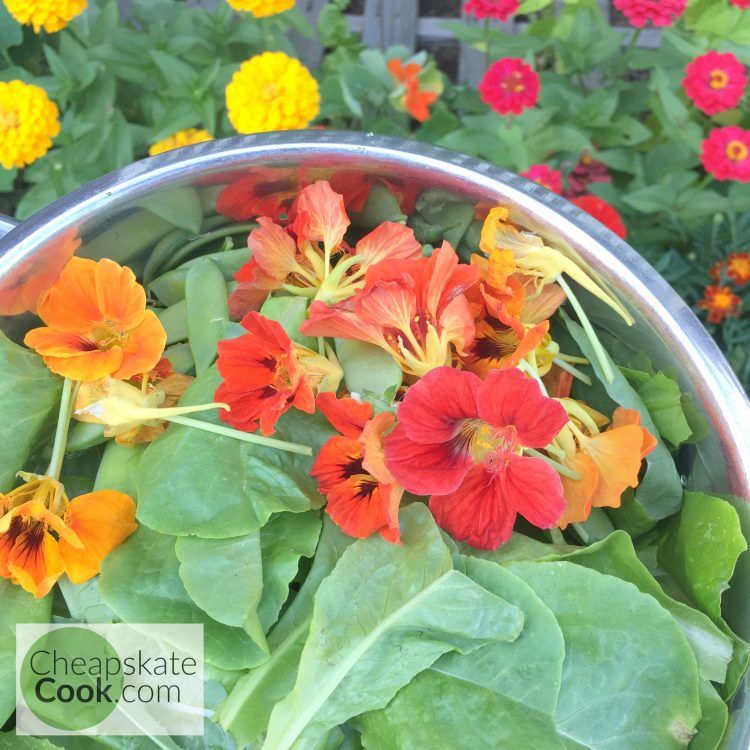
28	123
261	8
186	137
272	91
50	15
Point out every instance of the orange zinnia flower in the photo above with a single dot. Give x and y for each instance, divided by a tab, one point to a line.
363	496
416	310
43	535
97	324
720	302
607	462
310	257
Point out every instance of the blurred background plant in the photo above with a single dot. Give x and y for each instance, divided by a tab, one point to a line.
653	139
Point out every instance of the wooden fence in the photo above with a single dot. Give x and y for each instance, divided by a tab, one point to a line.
419	24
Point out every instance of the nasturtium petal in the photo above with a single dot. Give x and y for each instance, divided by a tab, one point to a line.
194	482
385	613
140	582
621	650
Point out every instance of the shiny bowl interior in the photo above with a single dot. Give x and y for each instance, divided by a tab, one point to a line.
124	215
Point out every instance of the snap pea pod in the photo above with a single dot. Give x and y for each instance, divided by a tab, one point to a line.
174	320
207	312
84	435
119	468
170	287
208	238
180	357
160	255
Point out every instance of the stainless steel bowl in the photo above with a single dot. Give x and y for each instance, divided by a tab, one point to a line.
124	214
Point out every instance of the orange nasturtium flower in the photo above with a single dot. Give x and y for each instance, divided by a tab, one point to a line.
43	534
607	462
97	324
414	97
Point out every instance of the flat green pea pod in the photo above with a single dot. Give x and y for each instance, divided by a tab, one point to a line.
174	321
166	247
180	357
119	468
207	311
84	435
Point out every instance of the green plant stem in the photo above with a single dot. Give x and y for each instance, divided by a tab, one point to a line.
576	373
634	40
67	401
557	536
248	437
558	467
487	43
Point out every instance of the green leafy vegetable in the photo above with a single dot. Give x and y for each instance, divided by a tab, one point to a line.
368	369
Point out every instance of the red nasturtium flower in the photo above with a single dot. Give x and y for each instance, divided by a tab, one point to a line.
414	309
97	323
363	496
608	463
720	302
726	153
292	258
265	374
43	534
545	176
659	12
715	82
461	440
500	10
510	86
415	101
603	212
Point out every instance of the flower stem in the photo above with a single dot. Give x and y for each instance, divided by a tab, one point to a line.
558	467
556	536
248	437
601	355
576	373
634	40
67	400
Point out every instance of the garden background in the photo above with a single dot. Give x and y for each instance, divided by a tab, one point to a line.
637	110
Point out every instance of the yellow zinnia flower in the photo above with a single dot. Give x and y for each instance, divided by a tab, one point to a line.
186	137
262	8
272	91
28	123
50	15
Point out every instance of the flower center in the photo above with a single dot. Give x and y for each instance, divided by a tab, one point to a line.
107	337
718	79
513	83
483	440
737	151
8	119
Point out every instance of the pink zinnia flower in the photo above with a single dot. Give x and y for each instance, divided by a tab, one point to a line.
545	176
460	439
502	10
742	4
510	85
659	12
715	82
726	153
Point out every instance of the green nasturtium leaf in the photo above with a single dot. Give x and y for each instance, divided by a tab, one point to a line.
659	493
195	482
16	606
622	649
616	556
701	548
119	468
368	369
140	582
506	692
245	712
29	396
289	311
383	615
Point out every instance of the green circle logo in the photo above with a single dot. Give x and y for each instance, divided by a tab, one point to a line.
71	678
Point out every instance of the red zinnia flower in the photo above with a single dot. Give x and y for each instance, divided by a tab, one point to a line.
501	10
726	153
720	302
461	439
587	170
659	12
602	212
265	374
363	496
510	85
715	82
742	4
545	176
